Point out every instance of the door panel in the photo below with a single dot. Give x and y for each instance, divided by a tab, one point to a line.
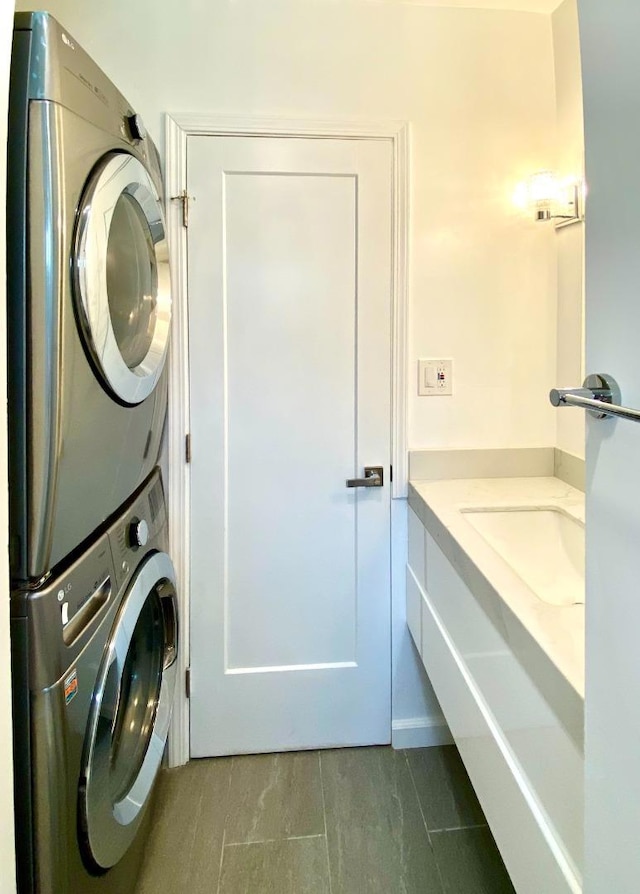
284	396
290	291
611	82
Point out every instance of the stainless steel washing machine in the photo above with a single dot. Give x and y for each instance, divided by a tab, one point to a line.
94	666
89	299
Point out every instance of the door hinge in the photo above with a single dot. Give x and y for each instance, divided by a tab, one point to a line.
187	682
187	448
184	198
390	473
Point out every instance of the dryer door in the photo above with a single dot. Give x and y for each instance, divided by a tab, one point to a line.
122	282
130	713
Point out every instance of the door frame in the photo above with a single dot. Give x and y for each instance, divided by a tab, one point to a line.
178	128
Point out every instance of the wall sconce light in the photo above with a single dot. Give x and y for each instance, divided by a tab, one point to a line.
548	197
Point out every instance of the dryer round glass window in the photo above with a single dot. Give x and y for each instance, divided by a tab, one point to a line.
132	281
123	293
131	708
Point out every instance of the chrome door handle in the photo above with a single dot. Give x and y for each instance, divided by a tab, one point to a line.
599	396
373	477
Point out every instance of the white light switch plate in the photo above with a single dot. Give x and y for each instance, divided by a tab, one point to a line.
435	377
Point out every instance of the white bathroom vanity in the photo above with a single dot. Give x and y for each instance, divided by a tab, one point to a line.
495	605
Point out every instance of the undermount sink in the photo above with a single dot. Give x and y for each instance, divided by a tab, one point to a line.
544	546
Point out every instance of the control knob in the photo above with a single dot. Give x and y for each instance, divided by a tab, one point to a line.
136	127
138	533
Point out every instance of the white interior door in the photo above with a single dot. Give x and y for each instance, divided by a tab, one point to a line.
610	38
289	331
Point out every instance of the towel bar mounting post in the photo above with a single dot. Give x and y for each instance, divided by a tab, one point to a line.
599	396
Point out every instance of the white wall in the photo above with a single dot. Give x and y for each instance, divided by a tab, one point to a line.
7	872
569	240
477	87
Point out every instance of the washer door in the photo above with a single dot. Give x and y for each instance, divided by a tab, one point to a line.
123	289
130	713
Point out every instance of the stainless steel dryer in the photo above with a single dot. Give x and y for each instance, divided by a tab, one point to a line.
88	298
94	667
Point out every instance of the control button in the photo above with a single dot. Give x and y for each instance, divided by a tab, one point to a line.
138	532
136	127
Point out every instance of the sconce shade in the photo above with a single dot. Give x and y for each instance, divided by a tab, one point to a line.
550	198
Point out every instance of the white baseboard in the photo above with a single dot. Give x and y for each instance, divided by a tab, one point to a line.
420	732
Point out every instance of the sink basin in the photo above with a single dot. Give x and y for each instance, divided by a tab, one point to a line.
545	547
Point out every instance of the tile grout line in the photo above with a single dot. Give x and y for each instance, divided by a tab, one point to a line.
194	836
161	820
459	828
324	814
224	835
273	840
224	830
424	820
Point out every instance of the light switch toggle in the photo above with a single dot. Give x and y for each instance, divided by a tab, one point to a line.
435	377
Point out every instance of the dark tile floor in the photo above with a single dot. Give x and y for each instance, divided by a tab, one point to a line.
349	821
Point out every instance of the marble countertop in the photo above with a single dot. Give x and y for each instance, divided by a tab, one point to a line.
548	639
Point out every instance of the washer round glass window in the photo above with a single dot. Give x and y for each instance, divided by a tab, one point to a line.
122	277
130	713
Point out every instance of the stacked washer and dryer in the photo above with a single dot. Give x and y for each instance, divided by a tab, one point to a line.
94	614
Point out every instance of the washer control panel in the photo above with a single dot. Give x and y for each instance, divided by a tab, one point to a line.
138	534
136	528
60	618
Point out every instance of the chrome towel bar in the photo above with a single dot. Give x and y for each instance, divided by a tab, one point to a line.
599	396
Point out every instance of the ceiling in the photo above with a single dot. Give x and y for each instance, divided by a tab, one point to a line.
544	6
